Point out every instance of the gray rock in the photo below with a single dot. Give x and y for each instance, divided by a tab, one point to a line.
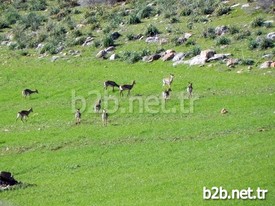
178	57
152	39
54	58
113	57
218	57
101	54
265	65
271	36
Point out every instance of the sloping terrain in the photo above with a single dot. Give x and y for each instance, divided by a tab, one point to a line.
151	152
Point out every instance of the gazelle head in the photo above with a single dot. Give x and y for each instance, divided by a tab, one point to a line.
36	91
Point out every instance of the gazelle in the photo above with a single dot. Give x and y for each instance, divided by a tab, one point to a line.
24	114
28	92
77	116
126	87
166	94
110	84
189	89
104	116
97	106
168	81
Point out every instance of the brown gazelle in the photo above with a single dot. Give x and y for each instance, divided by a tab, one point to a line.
28	92
77	116
104	116
168	81
166	94
97	106
110	84
126	87
24	114
189	89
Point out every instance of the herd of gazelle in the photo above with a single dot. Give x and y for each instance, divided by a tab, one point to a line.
97	107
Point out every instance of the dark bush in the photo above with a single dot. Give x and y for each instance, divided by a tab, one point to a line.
134	19
258	22
145	12
32	20
208	10
151	30
266	43
131	57
221	10
12	16
223	41
107	41
186	12
234	29
253	44
38	5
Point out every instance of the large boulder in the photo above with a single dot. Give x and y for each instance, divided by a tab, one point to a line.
153	57
178	57
207	54
221	30
101	54
271	36
266	65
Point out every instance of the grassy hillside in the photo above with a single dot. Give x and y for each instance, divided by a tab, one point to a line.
148	154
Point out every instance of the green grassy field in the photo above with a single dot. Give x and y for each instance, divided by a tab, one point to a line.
150	153
140	158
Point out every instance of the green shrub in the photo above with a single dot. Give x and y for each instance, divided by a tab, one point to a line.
151	30
49	47
12	16
131	57
234	29
209	33
145	12
134	19
222	9
186	12
257	22
266	43
208	10
54	10
77	33
174	20
196	50
253	44
190	42
38	5
242	35
247	62
32	20
223	41
107	41
3	24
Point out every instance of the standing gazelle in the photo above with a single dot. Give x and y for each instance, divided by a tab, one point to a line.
126	87
168	81
77	116
28	92
110	84
166	94
24	114
189	89
104	117
97	106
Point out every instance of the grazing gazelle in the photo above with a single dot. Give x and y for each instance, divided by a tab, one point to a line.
110	84
189	89
97	106
28	92
104	117
166	94
24	114
168	81
126	87
77	116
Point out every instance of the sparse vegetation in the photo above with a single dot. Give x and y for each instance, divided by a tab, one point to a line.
141	157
